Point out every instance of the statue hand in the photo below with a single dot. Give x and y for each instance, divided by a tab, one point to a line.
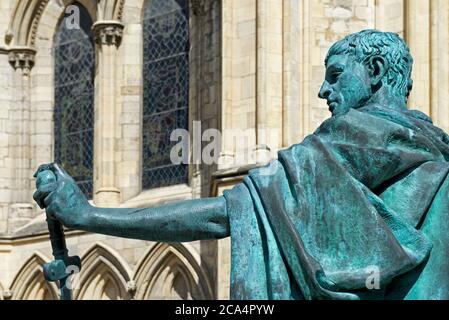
60	195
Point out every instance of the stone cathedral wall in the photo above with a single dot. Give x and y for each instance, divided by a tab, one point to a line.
254	66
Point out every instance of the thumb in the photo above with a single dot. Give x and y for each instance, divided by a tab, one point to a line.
60	173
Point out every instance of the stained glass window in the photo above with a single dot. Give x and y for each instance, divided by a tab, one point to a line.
74	53
166	87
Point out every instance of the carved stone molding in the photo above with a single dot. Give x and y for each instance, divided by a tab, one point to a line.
131	287
198	7
110	9
38	13
162	263
7	294
22	58
108	33
24	23
29	283
119	11
103	269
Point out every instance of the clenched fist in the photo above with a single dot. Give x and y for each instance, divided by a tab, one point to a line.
58	193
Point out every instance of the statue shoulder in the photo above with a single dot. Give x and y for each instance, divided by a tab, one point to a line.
419	115
354	119
412	119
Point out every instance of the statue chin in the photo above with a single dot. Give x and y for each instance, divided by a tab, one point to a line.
337	109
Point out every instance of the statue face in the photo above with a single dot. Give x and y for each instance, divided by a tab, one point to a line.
347	84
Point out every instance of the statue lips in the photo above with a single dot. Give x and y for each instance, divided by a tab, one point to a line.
332	105
332	101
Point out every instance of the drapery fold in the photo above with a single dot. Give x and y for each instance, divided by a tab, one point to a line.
348	200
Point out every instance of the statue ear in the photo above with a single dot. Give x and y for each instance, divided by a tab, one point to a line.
378	67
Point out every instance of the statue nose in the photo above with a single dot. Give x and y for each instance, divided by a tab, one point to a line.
325	91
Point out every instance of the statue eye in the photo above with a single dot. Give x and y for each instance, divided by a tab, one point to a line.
334	76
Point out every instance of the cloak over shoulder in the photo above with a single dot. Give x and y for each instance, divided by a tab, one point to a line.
344	203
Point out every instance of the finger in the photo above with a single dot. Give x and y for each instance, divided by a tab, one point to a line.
42	167
59	172
45	177
44	190
52	210
41	193
50	198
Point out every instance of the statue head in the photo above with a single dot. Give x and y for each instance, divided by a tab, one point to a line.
367	66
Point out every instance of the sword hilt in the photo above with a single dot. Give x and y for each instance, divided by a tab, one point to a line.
58	269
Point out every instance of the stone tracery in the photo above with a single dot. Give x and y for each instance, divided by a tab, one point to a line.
29	283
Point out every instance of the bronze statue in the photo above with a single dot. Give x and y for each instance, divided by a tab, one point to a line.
367	193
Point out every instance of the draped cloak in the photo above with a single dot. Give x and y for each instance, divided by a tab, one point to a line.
345	204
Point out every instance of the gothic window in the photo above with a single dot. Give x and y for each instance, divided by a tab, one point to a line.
74	53
166	86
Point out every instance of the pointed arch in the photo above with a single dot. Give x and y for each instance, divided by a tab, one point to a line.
91	6
29	283
42	90
24	22
22	29
111	10
171	270
104	275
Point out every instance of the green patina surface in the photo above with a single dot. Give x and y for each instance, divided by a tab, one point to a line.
365	195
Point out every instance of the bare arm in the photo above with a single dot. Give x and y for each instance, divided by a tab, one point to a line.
183	221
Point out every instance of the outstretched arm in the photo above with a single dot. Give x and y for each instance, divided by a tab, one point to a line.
182	221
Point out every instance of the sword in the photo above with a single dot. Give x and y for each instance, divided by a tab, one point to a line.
63	266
